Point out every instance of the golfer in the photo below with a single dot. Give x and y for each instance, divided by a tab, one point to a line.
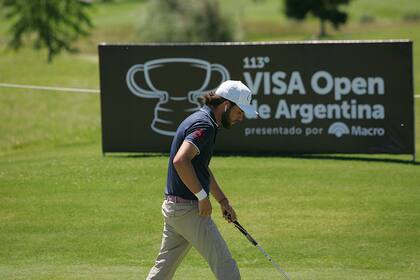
186	207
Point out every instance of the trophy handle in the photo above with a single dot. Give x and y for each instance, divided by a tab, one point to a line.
222	70
139	91
194	95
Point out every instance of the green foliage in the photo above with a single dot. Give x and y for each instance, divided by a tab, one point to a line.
210	25
325	10
54	24
186	21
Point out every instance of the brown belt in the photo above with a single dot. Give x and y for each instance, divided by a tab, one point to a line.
177	199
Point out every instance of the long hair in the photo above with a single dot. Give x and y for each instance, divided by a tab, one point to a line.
212	100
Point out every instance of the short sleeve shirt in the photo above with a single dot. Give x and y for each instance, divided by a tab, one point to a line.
200	129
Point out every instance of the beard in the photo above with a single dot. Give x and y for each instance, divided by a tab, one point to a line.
225	119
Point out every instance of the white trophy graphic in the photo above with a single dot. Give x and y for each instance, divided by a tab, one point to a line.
174	95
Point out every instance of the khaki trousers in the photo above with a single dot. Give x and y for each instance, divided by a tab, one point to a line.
184	228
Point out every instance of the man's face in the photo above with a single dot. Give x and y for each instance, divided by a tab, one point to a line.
232	116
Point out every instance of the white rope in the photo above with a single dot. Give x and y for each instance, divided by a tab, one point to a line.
49	88
70	89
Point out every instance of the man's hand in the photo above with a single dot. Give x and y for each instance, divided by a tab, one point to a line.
204	207
227	211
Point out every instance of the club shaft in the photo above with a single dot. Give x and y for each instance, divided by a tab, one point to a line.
282	272
255	243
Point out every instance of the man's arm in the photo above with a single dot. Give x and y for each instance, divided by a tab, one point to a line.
227	211
185	170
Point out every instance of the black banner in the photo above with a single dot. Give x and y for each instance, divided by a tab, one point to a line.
315	97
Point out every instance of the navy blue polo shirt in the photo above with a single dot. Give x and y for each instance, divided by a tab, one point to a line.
200	129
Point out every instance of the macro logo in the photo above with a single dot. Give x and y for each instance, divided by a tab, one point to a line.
176	97
338	129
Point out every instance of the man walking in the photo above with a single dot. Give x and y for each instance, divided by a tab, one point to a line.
187	208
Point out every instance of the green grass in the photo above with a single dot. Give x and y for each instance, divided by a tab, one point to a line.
29	67
68	208
67	212
47	119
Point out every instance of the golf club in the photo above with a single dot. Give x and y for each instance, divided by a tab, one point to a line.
255	243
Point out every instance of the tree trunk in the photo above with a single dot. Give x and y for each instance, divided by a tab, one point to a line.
322	32
50	56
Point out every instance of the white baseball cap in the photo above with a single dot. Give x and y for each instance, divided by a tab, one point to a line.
239	94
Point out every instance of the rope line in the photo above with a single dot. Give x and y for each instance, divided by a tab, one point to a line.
50	88
69	89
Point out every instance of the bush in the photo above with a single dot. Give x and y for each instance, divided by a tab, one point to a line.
367	19
412	17
186	21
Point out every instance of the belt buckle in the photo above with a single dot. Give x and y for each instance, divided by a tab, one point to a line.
173	198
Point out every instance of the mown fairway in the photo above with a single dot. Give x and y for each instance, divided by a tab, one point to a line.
67	212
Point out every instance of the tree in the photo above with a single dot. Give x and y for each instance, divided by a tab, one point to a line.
209	25
325	10
185	21
52	24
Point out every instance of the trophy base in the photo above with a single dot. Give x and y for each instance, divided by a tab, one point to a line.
168	116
